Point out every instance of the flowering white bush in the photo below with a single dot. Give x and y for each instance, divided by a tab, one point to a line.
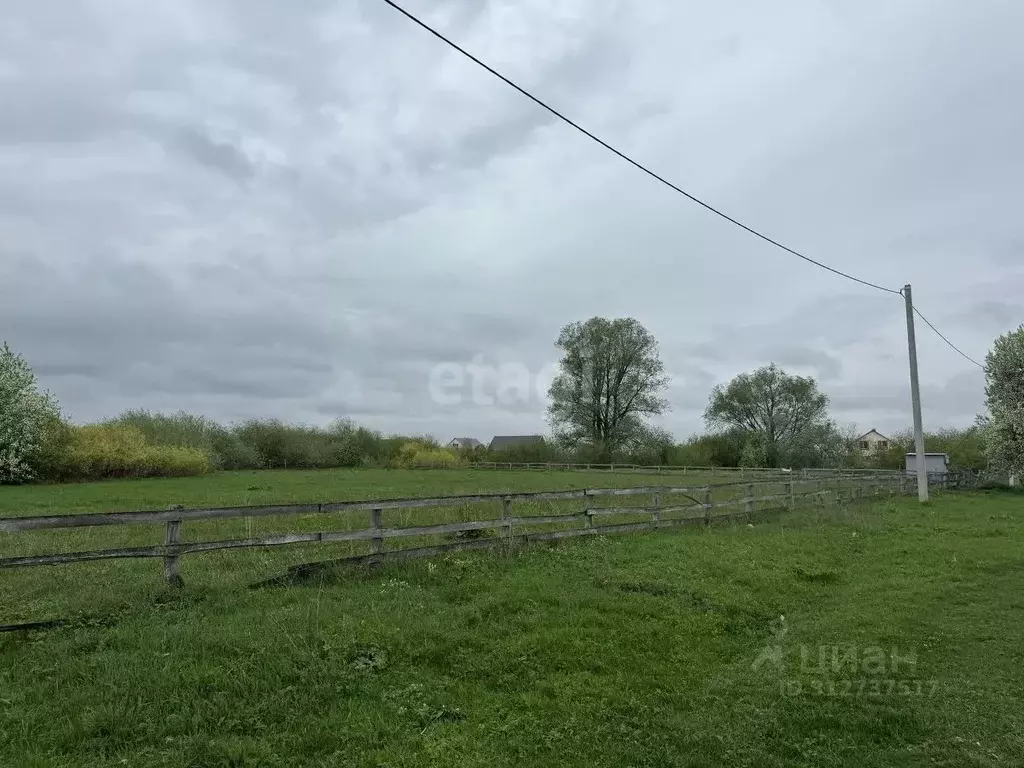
1004	391
24	415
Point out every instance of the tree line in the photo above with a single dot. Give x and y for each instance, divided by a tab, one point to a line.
611	380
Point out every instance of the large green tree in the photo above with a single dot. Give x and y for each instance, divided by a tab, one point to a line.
27	417
1004	392
610	379
779	412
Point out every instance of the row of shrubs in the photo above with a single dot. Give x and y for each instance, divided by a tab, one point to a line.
273	444
144	444
140	443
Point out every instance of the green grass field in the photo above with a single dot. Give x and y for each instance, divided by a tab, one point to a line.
294	486
108	586
651	649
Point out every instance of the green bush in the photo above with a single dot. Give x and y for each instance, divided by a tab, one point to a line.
417	454
52	458
278	445
101	451
26	415
228	451
356	446
189	430
181	428
347	452
273	444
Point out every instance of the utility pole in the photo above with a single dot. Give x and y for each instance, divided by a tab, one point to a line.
915	396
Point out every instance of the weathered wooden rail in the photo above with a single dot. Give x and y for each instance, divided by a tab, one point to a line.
510	527
671	469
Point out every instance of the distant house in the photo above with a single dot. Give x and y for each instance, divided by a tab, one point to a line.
873	442
503	442
934	463
464	443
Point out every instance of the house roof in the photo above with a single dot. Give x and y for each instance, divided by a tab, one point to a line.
471	441
873	431
507	441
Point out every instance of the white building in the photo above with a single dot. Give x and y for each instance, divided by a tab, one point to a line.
934	463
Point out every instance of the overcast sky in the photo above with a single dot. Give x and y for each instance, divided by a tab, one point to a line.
252	208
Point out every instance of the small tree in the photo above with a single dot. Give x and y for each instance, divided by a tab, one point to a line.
755	451
1004	392
768	403
610	378
26	418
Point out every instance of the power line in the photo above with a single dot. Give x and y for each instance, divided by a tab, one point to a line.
939	333
954	347
630	160
665	181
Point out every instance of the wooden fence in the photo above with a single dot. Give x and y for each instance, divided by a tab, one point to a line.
662	469
669	507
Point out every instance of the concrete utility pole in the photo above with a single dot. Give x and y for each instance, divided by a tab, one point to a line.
915	396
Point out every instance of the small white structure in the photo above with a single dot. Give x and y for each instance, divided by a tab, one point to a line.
934	463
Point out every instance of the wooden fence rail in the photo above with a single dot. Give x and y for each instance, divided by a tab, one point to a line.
666	500
682	470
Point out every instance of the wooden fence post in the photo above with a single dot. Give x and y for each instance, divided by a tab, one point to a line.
656	514
506	516
709	504
750	503
376	543
792	496
172	563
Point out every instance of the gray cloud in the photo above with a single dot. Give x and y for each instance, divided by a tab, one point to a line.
250	210
992	313
219	155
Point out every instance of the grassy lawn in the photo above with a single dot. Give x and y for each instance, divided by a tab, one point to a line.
295	486
114	585
637	650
